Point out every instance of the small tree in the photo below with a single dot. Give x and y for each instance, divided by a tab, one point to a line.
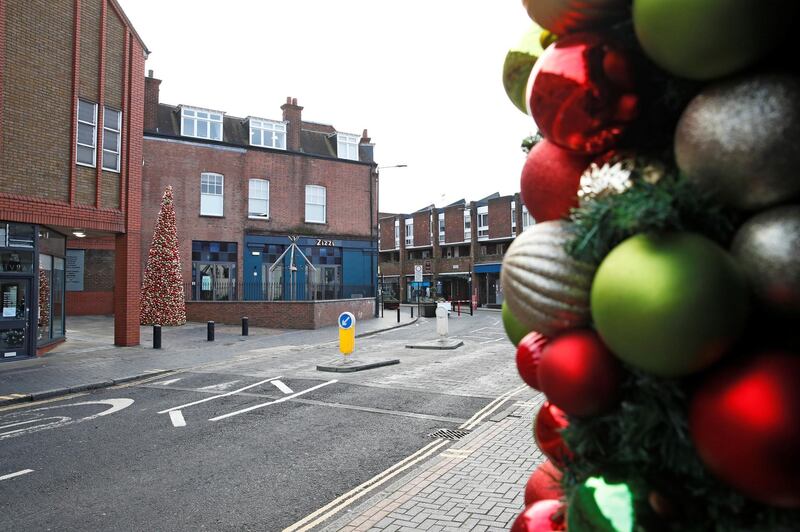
162	291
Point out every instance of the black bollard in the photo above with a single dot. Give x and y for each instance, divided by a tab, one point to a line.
156	336
398	313
470	308
210	331
245	328
412	311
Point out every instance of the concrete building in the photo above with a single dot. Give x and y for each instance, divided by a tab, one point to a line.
71	114
457	248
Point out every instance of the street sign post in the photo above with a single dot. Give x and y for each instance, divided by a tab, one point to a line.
347	333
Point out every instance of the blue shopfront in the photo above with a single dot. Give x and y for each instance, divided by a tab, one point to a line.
282	268
490	290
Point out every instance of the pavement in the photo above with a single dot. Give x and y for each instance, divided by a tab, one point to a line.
470	478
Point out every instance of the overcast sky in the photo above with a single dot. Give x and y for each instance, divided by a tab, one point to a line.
423	76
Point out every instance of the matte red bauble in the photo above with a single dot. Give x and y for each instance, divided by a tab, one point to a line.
544	483
579	374
581	93
550	181
547	427
529	352
541	516
745	424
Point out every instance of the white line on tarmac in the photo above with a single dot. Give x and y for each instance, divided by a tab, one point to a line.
17	474
248	409
176	416
490	408
218	396
219	387
282	387
166	383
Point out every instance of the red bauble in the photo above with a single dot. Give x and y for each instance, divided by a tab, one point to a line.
529	352
542	516
544	483
745	423
578	373
547	427
581	93
550	180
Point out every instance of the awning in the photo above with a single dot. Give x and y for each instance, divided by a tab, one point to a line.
487	268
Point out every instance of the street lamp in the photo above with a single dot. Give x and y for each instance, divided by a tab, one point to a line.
375	227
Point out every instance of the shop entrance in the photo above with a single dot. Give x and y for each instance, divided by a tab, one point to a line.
14	319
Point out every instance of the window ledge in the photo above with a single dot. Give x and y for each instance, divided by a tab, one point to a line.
212	215
86	164
318	223
265	218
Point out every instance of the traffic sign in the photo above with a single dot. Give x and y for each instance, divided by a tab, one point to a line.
347	332
418	273
346	320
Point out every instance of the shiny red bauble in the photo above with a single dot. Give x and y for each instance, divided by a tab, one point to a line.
544	483
745	423
547	427
579	374
582	93
550	180
542	516
529	352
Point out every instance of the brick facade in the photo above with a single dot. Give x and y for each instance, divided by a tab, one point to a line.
500	217
422	228
454	224
280	314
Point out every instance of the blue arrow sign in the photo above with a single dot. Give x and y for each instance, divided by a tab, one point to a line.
346	320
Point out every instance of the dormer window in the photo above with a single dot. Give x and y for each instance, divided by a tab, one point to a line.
347	146
201	123
267	133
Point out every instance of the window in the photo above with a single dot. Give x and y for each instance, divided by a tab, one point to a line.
513	215
396	234
201	124
258	201
483	223
410	232
87	133
467	225
347	146
211	197
268	133
527	219
441	227
112	126
315	204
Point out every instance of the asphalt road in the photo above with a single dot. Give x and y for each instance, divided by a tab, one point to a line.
254	442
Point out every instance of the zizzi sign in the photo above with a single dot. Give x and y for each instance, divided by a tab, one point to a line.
325	242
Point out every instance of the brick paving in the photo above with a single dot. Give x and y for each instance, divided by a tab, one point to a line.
475	484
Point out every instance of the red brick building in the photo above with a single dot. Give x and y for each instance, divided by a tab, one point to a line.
458	248
71	118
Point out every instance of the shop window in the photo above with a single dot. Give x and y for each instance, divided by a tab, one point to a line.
213	271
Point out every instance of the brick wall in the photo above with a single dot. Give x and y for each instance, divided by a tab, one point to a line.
454	224
422	229
386	228
500	217
280	314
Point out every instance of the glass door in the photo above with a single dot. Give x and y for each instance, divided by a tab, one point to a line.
14	327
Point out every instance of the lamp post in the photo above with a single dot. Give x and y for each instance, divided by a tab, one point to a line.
375	228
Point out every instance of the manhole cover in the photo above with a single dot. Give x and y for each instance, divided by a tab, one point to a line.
448	434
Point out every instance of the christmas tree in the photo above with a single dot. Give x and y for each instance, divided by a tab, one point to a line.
162	291
656	301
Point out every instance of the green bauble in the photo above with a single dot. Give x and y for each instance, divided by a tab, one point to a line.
708	39
518	65
596	506
669	304
514	329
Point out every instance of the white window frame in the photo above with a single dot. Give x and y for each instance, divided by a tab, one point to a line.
513	215
467	225
441	227
207	207
397	234
263	186
347	146
483	223
93	125
409	232
196	115
117	129
274	129
312	189
527	219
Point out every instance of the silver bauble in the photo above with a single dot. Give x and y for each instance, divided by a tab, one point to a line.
738	140
546	289
767	247
614	174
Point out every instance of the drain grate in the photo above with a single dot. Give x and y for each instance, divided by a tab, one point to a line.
448	434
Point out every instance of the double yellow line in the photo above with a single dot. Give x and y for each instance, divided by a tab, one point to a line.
341	502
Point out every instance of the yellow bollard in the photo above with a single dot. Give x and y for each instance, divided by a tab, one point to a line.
347	333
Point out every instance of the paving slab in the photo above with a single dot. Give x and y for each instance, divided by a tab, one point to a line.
349	366
440	344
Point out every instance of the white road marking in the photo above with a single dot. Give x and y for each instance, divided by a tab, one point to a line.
176	416
495	340
61	421
490	408
166	383
17	474
282	387
221	387
298	394
218	396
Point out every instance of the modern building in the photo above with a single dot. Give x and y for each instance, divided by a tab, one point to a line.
457	249
71	113
267	207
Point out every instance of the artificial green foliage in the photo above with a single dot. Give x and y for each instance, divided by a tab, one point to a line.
645	443
672	204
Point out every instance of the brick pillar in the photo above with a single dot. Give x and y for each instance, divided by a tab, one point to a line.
292	115
402	231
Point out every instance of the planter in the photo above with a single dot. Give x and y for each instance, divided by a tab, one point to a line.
427	310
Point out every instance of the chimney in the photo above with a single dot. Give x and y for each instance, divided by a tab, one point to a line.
292	115
151	89
366	149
